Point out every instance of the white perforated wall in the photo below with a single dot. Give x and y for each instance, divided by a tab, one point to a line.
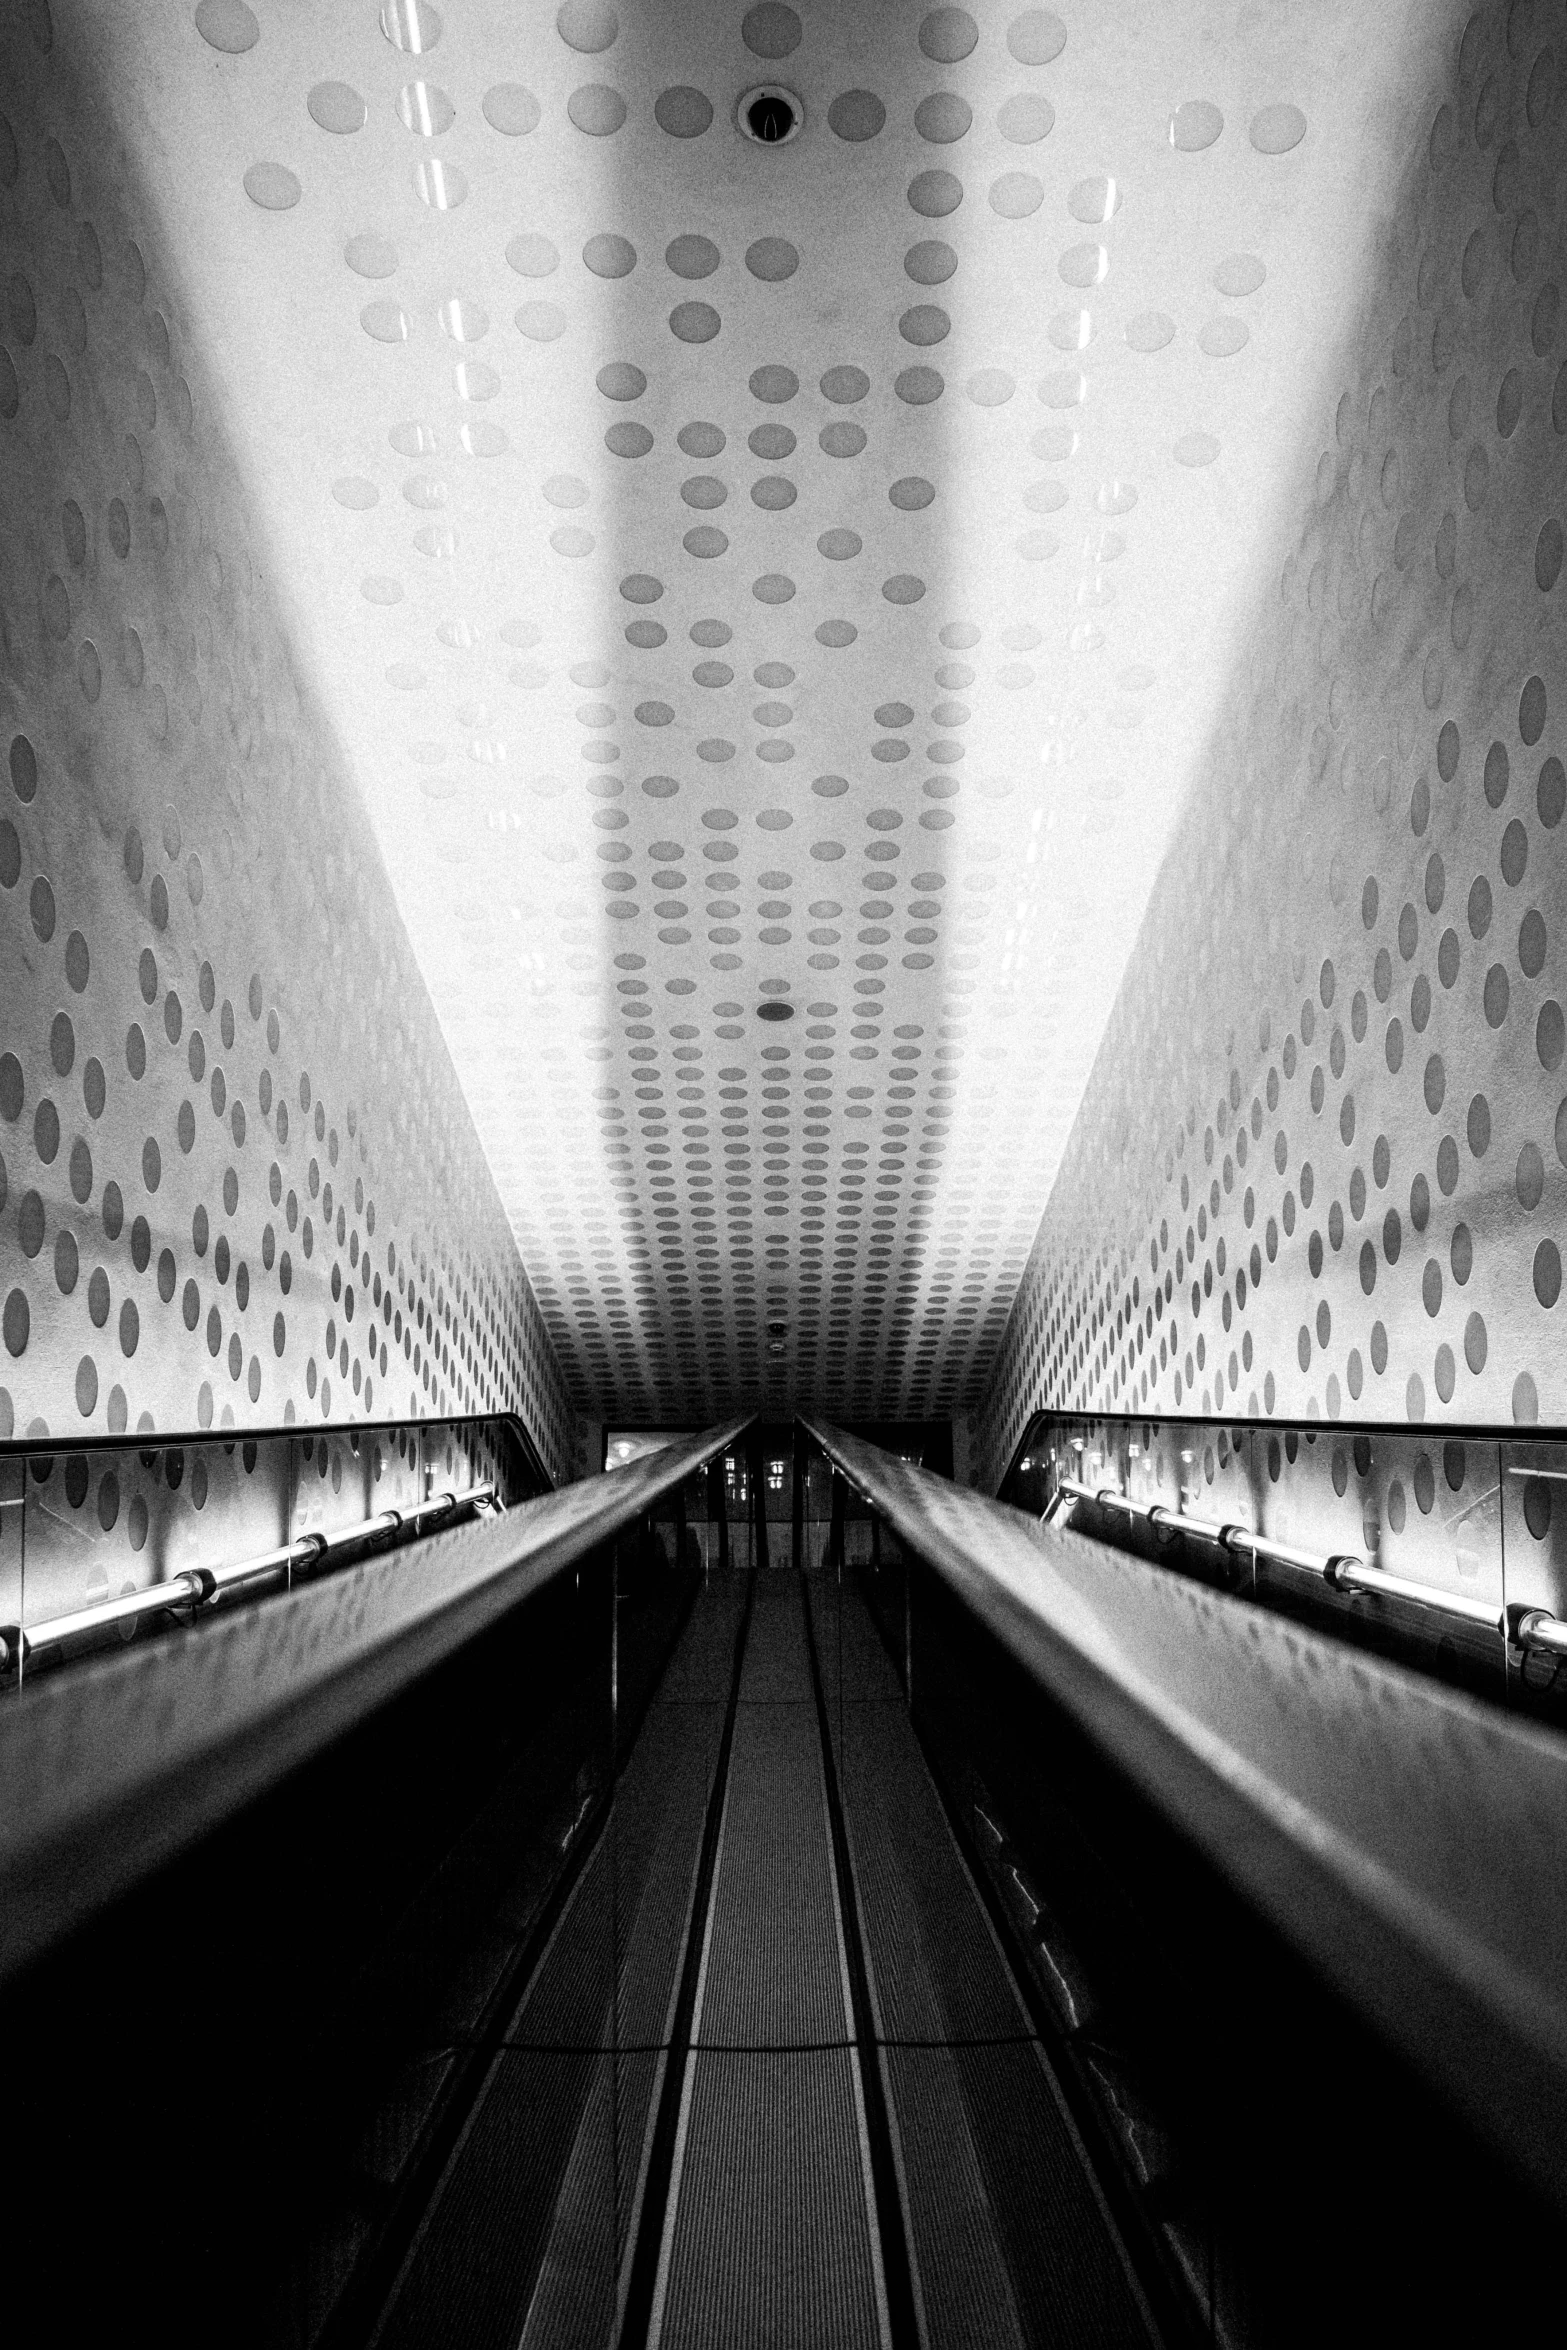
238	1182
1321	1167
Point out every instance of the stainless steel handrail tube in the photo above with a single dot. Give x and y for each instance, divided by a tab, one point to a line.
1227	1534
183	1590
1538	1630
1343	1571
195	1587
1352	1574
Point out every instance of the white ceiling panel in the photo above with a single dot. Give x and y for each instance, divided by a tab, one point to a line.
774	596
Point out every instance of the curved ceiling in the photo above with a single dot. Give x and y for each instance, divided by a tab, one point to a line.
773	594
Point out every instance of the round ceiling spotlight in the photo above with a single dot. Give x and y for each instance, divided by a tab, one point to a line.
770	115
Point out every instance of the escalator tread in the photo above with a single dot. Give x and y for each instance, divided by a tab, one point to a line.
773	1977
1008	2239
769	2232
772	2242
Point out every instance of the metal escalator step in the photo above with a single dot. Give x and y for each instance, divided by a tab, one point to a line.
776	1670
701	1670
772	2240
773	1975
855	1665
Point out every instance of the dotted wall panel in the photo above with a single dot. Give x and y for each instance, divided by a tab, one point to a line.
1321	1166
772	593
238	1181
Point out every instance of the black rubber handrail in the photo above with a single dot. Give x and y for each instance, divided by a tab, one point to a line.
1407	1841
110	1769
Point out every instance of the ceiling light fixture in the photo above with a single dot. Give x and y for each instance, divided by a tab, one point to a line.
770	115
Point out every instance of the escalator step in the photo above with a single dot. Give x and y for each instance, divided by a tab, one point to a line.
773	1977
772	2241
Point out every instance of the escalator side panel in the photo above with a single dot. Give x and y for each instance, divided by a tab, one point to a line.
471	2273
529	2229
1009	2241
1047	2232
575	2298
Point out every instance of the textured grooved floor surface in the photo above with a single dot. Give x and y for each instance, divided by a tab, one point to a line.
769	2232
739	580
1008	2242
773	1977
768	2236
772	2242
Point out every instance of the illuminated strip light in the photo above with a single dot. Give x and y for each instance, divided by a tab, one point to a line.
1528	1628
196	1588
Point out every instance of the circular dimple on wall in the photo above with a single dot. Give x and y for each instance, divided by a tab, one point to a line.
1277	129
510	108
772	259
596	110
947	35
588	26
272	186
856	115
943	118
609	256
228	26
934	194
771	30
1017	195
930	263
337	107
683	112
1195	126
1037	37
1026	118
1240	274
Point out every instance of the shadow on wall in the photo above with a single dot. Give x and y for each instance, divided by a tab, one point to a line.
1321	1165
238	1183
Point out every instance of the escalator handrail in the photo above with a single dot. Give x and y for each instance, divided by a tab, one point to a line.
1405	1839
109	1769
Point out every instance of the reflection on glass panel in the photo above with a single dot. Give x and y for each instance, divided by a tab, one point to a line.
1408	1519
11	1547
817	1525
1534	1555
98	1526
622	1446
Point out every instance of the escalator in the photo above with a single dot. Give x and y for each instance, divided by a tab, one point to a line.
814	1906
773	2080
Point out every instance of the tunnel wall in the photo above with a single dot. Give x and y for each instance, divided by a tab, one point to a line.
233	1148
1321	1164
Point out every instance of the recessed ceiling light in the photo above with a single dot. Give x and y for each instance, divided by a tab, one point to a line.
770	115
